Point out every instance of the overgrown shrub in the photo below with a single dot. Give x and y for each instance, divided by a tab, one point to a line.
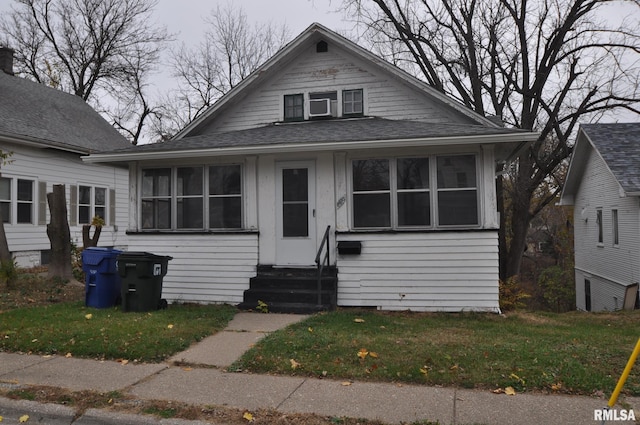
8	272
558	289
512	296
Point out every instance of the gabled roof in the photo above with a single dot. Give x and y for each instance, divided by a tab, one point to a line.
618	144
37	115
343	134
314	33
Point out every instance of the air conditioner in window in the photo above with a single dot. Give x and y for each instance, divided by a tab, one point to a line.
320	107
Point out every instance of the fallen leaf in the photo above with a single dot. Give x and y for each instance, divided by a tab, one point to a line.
68	355
556	387
310	329
373	354
424	371
509	391
0	418
294	364
123	361
187	369
169	326
34	340
358	320
23	419
498	391
363	353
346	384
88	316
248	416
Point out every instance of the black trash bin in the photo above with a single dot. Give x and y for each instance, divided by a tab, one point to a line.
142	274
102	282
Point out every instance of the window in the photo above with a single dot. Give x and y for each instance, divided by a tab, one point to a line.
407	192
599	224
371	193
189	198
192	197
5	199
17	200
352	102
587	295
92	202
457	192
323	104
414	199
294	107
225	197
156	198
614	223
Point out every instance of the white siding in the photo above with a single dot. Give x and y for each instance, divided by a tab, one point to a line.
334	70
436	271
609	267
55	167
213	268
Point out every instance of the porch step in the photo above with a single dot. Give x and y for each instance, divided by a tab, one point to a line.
291	290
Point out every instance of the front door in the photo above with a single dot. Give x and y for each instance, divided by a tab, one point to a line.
295	213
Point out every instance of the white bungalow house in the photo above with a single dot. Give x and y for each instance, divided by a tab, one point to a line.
46	132
603	185
325	142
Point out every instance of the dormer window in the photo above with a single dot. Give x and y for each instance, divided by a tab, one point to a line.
294	107
352	103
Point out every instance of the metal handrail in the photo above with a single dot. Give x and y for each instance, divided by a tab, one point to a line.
320	264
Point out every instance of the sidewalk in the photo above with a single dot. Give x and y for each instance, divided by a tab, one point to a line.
206	383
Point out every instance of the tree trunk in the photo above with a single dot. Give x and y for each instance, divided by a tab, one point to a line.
88	241
59	234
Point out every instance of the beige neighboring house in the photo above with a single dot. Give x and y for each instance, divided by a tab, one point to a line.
47	132
325	143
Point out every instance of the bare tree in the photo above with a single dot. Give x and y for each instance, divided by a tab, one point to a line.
540	65
91	48
231	50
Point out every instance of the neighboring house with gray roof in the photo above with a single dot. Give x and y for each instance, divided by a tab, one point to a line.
325	139
47	131
603	185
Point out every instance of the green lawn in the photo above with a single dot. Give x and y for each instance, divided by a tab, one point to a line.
72	328
572	352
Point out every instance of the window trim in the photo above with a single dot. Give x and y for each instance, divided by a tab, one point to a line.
173	198
432	190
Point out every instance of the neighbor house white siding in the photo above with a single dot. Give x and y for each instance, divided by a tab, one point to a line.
436	271
48	167
335	70
608	266
208	268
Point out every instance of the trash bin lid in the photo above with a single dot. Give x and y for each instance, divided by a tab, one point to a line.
94	255
140	255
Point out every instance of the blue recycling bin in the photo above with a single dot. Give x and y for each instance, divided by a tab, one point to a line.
102	281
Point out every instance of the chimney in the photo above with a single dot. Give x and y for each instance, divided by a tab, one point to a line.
6	60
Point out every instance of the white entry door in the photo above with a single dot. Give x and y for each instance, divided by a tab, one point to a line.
295	213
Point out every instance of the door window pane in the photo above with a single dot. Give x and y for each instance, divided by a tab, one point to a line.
295	202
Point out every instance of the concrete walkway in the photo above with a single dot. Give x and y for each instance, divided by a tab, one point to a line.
209	384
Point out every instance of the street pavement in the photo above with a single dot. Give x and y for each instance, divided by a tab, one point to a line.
206	382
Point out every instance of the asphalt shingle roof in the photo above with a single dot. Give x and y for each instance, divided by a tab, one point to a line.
29	110
324	131
619	146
